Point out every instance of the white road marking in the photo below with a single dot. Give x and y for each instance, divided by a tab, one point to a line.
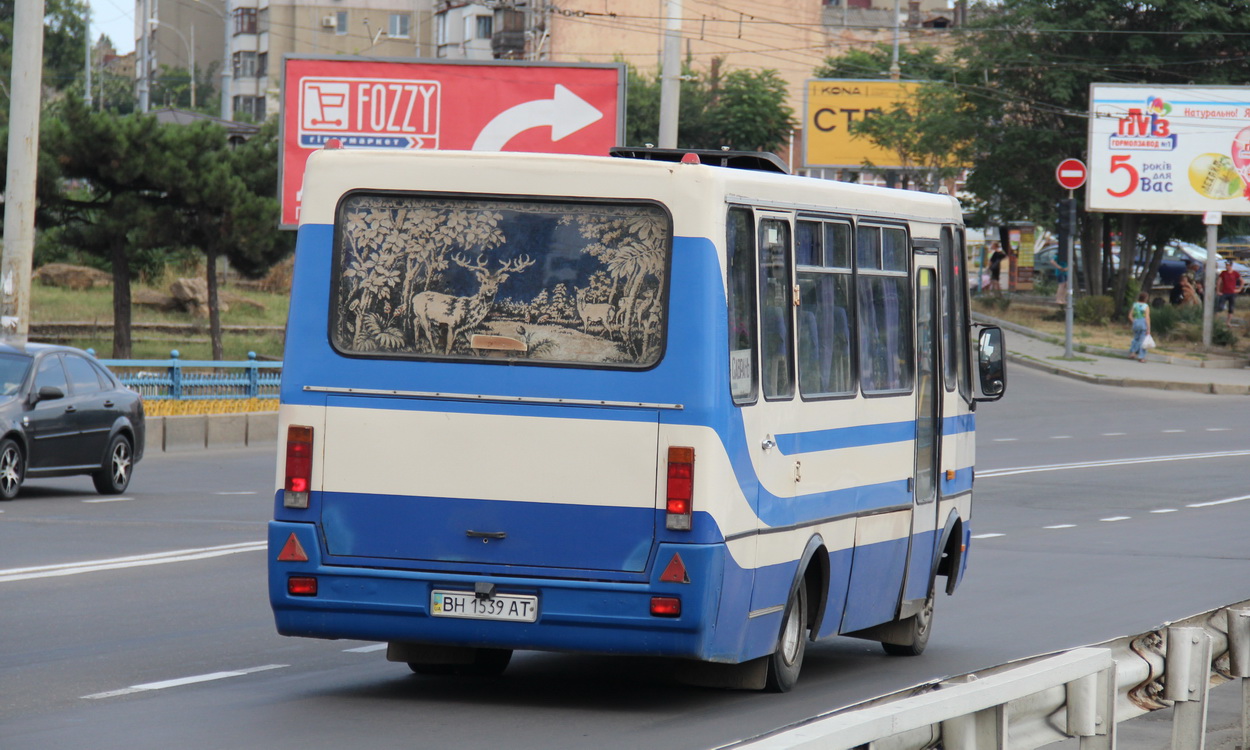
1060	437
1164	510
245	492
1006	440
1170	431
109	500
986	536
1113	519
182	681
365	649
1218	429
1061	526
133	561
1225	501
1101	464
1114	434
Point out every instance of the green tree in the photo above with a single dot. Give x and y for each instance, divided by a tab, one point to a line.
64	42
227	206
745	110
921	63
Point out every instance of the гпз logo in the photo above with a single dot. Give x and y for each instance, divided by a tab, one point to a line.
374	113
1147	130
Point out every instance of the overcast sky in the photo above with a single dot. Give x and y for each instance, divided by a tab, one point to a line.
117	19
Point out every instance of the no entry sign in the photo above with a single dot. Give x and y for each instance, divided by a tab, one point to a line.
488	106
1071	173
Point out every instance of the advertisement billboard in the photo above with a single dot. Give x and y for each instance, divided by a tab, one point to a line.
832	106
1169	149
466	105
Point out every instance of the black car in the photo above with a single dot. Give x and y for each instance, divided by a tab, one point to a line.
62	413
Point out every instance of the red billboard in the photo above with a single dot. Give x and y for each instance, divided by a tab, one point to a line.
465	105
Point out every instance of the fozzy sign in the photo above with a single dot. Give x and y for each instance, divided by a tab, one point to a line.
461	105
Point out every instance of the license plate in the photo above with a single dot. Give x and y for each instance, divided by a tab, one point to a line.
509	607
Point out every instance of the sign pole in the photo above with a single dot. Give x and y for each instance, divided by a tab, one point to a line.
1071	174
1067	312
1212	219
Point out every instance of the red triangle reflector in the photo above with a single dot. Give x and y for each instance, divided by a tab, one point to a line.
676	571
292	551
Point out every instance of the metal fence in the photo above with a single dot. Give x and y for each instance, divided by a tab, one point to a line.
177	378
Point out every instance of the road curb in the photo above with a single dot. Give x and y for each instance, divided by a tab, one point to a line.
179	434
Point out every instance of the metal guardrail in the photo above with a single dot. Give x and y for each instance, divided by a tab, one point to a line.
177	378
1039	701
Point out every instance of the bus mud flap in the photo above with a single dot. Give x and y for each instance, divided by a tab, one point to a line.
749	675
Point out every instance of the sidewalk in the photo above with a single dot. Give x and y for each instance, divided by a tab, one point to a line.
1108	367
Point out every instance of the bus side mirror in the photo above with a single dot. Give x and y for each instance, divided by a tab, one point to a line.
991	366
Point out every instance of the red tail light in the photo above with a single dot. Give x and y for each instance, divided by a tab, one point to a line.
679	496
299	444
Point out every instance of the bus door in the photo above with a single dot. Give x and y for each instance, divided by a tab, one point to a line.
928	439
767	417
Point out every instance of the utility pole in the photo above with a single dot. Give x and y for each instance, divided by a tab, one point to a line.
670	80
19	199
142	62
87	19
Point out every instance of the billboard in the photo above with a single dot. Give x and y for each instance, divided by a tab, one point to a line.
1169	149
832	106
468	105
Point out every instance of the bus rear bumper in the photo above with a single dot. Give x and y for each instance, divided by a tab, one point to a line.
588	616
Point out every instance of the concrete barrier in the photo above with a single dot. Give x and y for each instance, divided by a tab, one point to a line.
210	431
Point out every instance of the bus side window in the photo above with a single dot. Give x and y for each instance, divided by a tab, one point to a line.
740	251
823	270
776	310
886	360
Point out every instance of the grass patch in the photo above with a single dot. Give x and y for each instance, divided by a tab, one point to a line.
95	306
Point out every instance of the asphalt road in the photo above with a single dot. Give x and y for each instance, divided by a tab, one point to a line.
1100	511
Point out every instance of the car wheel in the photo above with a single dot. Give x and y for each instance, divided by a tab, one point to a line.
787	660
114	476
12	468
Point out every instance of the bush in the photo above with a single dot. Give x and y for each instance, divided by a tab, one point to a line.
1094	310
1164	320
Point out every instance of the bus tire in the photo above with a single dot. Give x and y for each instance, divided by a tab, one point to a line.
487	662
787	660
920	626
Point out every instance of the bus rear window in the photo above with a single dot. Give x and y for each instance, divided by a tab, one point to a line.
501	279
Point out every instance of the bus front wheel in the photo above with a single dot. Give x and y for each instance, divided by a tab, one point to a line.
787	660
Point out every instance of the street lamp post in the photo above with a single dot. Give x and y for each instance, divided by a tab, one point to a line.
190	50
227	110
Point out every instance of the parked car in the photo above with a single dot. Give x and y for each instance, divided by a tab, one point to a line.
1179	255
63	413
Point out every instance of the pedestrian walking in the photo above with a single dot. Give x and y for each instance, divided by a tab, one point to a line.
1229	285
1139	315
997	256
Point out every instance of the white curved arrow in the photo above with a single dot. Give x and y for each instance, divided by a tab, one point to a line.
565	112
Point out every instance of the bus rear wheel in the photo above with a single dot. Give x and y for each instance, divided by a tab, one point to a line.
487	662
787	660
919	625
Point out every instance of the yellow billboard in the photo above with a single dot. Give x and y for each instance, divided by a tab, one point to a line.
832	106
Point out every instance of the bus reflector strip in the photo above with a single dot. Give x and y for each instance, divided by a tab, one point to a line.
292	551
665	606
299	442
679	494
675	572
301	586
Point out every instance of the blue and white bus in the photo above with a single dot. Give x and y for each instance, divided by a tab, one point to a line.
662	403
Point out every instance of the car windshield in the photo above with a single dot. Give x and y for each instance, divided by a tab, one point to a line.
13	369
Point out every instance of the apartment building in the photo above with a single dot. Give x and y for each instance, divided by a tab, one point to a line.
792	37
